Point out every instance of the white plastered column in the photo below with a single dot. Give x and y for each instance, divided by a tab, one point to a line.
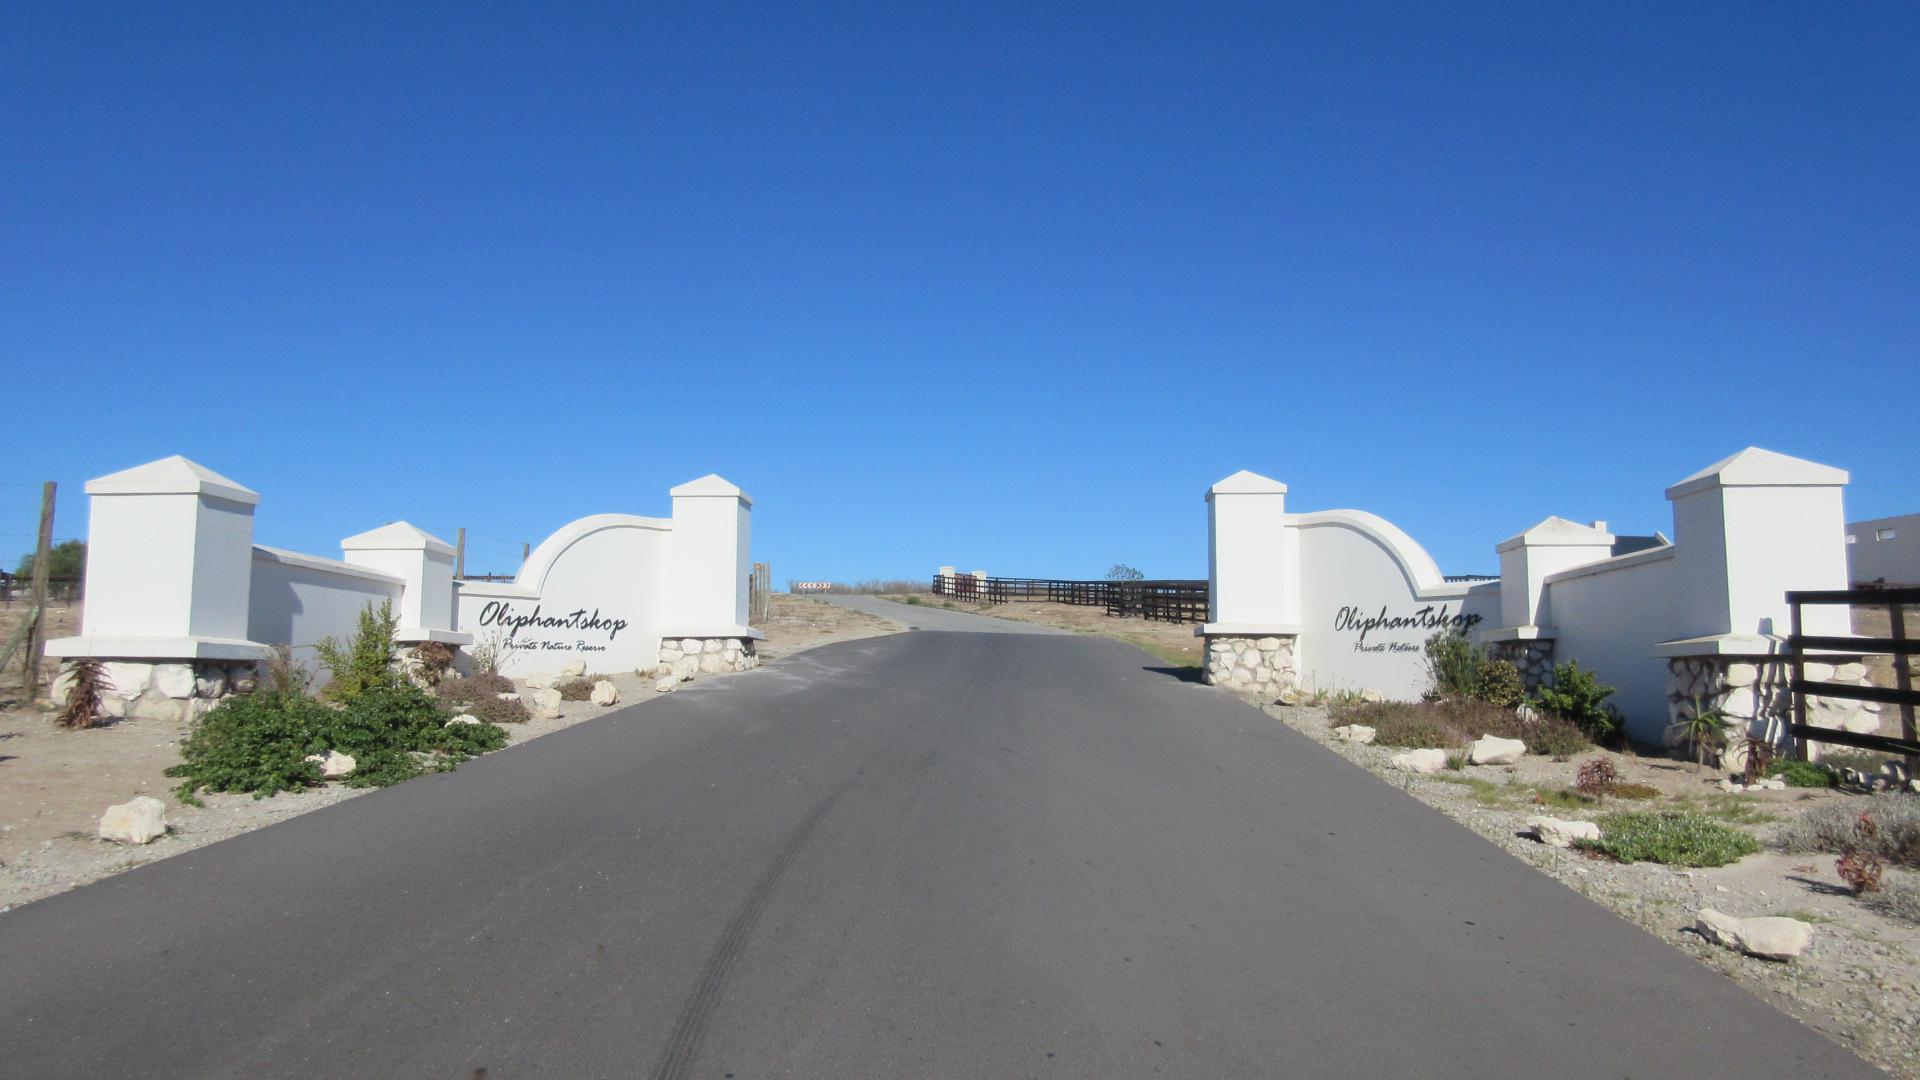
425	563
710	561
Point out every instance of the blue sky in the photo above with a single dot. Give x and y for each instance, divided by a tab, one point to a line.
998	287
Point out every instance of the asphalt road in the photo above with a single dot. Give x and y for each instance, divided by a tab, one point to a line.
930	855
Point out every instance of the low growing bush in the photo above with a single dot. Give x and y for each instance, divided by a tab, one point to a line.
579	689
258	742
1804	774
1404	724
1577	696
1673	838
1899	899
1835	827
478	695
1456	721
1596	776
1501	685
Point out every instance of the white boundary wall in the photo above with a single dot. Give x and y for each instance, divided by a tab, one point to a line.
1350	599
174	579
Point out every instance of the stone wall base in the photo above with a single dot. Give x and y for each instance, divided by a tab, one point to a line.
1533	659
687	657
1752	693
164	689
1250	665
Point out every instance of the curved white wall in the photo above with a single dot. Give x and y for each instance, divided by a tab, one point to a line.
1369	599
595	591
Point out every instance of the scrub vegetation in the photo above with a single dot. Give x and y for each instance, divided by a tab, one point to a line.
394	730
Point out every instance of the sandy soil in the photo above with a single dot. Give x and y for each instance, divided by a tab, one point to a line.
55	783
1859	982
1172	642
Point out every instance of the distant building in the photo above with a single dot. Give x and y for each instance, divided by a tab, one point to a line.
1884	549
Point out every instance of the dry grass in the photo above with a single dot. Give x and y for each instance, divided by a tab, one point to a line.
1443	725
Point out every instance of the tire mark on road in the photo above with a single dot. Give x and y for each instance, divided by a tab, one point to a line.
690	1027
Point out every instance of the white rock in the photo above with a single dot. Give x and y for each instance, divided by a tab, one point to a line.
1290	697
1372	696
507	697
1268	644
1739	674
573	669
141	821
685	667
605	693
546	703
539	680
1770	937
1860	723
1818	672
333	764
1493	750
665	684
1732	788
1354	733
211	683
129	680
1853	672
1773	784
691	646
712	664
173	680
1739	703
1526	712
1420	761
463	718
1557	833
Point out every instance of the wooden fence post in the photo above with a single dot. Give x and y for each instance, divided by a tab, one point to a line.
460	555
42	560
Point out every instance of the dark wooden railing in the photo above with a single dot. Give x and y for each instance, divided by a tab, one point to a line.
1166	601
60	590
1897	644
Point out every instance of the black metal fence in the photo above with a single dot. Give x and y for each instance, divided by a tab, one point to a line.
1165	601
1897	644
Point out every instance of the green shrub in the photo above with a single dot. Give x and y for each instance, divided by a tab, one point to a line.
1453	663
258	742
366	660
1577	696
478	695
1804	773
1501	685
1673	838
253	742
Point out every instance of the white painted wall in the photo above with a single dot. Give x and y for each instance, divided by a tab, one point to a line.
1748	529
173	574
1608	616
712	560
1369	599
596	590
1895	559
299	599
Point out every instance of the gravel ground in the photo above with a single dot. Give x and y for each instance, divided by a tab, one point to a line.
55	783
1859	982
